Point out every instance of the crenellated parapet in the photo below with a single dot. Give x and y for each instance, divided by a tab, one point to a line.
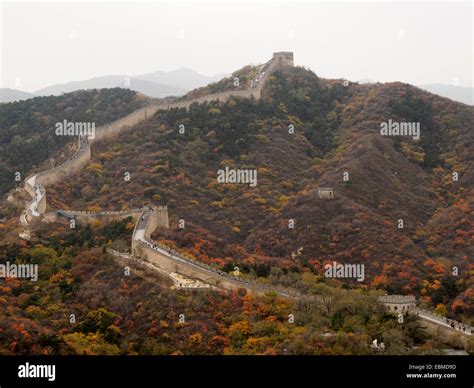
88	216
396	304
397	299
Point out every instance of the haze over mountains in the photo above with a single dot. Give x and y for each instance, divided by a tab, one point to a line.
158	84
11	95
148	88
454	92
177	82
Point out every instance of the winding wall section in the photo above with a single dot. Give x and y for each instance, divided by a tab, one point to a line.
35	184
171	261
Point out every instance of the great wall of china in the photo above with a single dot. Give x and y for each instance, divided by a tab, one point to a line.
142	245
147	251
434	324
35	184
173	262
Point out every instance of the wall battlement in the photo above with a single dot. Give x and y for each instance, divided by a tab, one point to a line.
87	216
397	299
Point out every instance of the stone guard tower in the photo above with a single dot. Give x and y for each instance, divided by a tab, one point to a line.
283	59
326	193
396	304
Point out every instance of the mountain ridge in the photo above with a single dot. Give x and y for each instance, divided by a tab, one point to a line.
13	95
157	84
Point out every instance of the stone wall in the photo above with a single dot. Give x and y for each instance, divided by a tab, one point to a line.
445	334
49	177
134	118
142	114
159	218
87	217
194	272
41	205
170	261
80	158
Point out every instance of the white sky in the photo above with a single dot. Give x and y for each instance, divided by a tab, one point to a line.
46	43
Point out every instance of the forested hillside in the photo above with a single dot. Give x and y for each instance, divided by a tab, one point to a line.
306	133
336	131
27	135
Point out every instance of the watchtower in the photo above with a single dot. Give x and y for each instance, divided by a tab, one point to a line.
283	59
325	193
397	304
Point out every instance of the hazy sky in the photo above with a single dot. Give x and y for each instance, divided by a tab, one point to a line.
418	43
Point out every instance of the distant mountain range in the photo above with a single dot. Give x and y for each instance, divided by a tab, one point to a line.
10	95
457	93
178	82
157	84
183	78
148	88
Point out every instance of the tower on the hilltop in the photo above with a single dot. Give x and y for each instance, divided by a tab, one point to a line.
283	59
396	304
